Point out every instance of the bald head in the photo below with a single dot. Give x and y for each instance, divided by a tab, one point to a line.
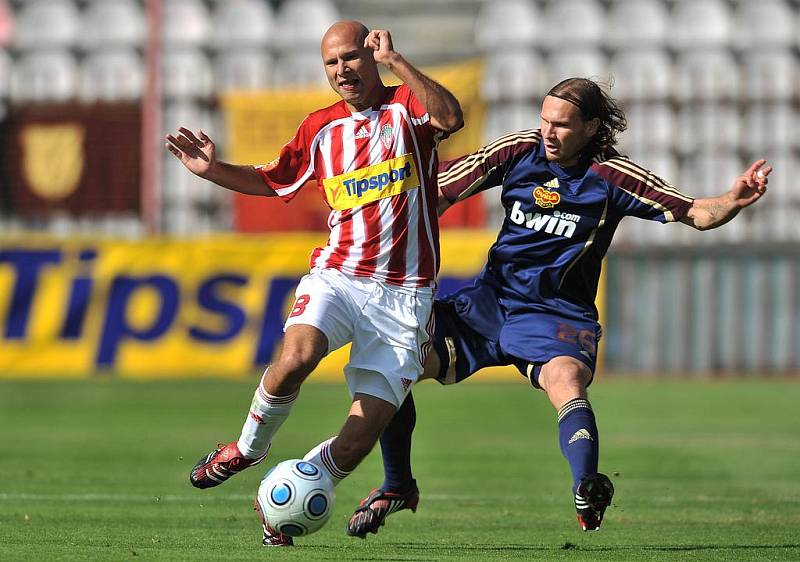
350	65
350	31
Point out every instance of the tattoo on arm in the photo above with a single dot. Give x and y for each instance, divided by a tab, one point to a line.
715	209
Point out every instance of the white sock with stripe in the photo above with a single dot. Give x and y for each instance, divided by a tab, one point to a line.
321	456
267	414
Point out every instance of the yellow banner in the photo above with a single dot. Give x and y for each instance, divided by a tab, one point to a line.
260	123
167	308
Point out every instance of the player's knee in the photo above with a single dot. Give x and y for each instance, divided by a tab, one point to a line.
564	376
297	363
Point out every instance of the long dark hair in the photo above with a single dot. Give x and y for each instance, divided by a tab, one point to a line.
593	102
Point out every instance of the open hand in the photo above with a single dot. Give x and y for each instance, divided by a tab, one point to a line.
196	152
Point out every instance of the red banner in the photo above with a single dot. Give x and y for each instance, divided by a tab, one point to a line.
83	159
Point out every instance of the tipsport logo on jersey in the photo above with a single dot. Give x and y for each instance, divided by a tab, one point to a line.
365	185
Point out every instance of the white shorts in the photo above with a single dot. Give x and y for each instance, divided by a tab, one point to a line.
390	328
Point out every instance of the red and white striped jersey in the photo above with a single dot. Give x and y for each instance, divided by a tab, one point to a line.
376	170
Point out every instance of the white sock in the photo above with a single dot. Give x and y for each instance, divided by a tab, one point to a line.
267	414
321	456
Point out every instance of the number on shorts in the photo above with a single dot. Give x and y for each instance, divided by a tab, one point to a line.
300	305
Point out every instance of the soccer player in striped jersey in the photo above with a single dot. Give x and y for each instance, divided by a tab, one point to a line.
565	190
373	158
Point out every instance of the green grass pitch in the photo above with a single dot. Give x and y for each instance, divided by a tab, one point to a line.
97	470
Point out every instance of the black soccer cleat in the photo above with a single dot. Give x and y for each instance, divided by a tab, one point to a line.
592	497
271	536
219	465
373	510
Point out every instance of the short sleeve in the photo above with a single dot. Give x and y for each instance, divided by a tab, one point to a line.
294	165
636	191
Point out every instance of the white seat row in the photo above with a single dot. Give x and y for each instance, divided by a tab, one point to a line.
681	25
44	23
56	75
648	73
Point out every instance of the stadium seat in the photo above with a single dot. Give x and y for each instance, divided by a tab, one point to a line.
190	205
766	23
582	20
651	127
771	126
636	23
700	24
242	23
5	74
300	69
509	117
111	75
707	74
243	69
708	126
568	63
783	200
45	75
6	24
510	23
113	23
642	74
186	74
47	23
709	173
302	23
186	23
514	74
769	75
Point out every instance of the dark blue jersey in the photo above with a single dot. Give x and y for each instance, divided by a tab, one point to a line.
559	221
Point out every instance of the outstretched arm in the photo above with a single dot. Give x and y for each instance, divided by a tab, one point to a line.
442	106
748	188
198	154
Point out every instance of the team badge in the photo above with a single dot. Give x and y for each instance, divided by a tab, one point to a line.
387	136
546	199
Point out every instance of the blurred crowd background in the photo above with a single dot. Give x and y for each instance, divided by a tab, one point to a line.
708	86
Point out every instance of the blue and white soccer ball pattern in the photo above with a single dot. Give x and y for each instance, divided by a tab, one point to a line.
296	498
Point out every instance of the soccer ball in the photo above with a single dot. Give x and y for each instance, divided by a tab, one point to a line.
296	498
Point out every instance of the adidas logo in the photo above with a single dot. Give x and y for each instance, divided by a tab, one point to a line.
552	184
580	434
363	133
406	383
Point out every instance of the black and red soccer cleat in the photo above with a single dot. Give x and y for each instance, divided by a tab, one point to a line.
373	510
271	536
219	465
592	497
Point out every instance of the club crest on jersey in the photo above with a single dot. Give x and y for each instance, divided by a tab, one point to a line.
365	185
545	197
387	136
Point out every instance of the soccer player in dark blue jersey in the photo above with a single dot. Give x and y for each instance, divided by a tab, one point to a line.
565	189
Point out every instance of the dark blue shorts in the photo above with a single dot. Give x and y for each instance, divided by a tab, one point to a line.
474	330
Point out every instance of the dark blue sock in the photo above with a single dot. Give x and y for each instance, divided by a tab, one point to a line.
577	435
396	449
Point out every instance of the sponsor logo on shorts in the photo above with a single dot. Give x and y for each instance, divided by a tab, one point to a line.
365	185
406	383
580	434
